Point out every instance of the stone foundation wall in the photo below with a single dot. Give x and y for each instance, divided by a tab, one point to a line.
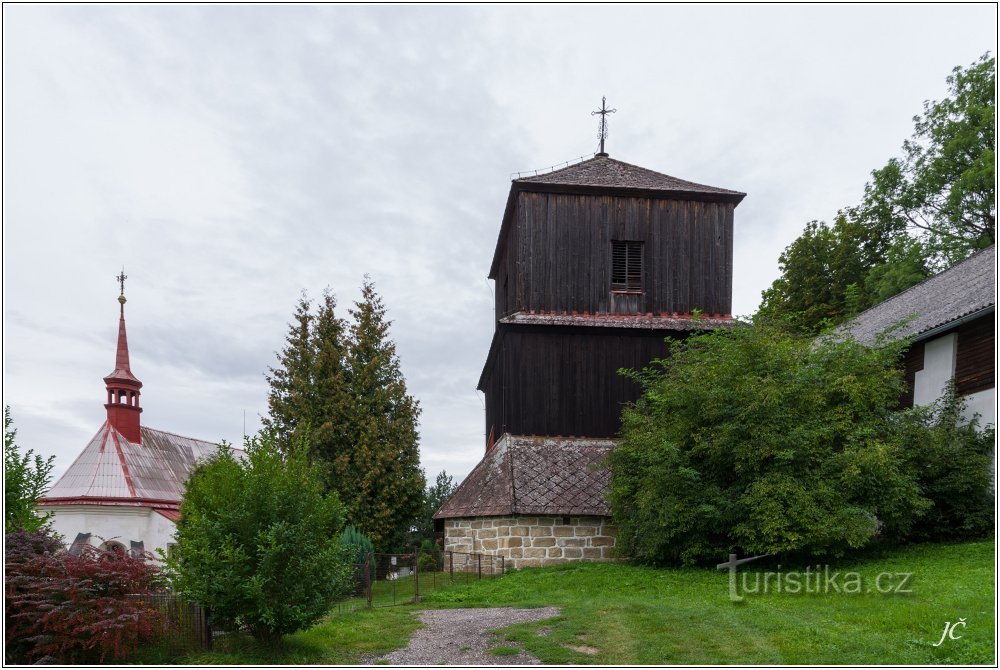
533	541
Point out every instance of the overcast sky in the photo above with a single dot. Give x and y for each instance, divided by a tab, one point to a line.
230	157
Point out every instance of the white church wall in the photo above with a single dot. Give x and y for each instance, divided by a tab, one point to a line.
120	523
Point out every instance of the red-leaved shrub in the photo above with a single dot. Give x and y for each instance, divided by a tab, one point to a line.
76	609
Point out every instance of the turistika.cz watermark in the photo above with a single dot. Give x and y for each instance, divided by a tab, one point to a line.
818	579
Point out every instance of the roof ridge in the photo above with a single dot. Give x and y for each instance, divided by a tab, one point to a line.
186	437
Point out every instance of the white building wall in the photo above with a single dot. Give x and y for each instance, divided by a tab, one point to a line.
983	403
939	368
123	524
940	356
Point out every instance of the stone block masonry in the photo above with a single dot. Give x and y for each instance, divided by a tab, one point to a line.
533	541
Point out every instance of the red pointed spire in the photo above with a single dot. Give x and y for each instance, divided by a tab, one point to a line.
122	370
123	387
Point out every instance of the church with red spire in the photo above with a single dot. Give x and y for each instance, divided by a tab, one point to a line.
124	489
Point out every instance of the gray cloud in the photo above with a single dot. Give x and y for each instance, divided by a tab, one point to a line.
232	156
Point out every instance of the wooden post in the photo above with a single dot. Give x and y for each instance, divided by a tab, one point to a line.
479	565
416	574
451	565
368	578
502	565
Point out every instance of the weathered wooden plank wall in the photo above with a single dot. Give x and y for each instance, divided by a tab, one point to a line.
975	364
552	380
558	254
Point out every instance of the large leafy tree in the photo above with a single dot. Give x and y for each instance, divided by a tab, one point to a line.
387	485
435	496
25	479
754	441
832	272
920	214
258	539
943	187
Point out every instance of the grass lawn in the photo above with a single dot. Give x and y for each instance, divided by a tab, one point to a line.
625	614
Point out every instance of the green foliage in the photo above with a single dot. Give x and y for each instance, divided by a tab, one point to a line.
943	188
430	558
434	497
340	386
386	487
357	544
25	480
258	540
756	441
919	214
309	396
952	461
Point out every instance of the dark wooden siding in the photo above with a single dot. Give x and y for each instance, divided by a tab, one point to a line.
976	357
912	363
557	256
548	380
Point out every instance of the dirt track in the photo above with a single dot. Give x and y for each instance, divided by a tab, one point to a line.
460	637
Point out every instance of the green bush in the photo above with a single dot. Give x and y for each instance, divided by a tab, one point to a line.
357	544
259	542
754	441
430	557
952	461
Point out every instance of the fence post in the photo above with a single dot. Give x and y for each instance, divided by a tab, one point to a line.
207	628
503	564
451	565
479	566
416	575
368	578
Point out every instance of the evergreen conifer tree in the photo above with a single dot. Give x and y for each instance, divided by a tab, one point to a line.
387	484
291	394
340	388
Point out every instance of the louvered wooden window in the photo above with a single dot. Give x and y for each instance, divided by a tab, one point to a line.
626	266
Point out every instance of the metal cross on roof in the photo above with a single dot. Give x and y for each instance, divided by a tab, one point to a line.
121	280
603	111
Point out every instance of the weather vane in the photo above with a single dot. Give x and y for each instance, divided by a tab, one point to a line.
603	111
121	280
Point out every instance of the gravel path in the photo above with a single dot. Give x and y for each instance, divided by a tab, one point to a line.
459	637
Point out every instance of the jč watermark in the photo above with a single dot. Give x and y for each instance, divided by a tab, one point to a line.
819	579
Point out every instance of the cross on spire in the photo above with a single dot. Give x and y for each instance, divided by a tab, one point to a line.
603	111
121	280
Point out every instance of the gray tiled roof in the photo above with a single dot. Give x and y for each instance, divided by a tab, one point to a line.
535	475
602	171
963	289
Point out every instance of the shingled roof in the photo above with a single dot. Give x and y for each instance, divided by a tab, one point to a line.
113	471
605	172
948	297
535	475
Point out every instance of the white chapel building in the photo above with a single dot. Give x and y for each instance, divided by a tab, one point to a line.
124	489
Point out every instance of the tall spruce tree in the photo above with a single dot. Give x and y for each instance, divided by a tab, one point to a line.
291	397
340	388
387	485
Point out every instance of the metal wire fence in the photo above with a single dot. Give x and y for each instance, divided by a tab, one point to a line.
189	628
384	580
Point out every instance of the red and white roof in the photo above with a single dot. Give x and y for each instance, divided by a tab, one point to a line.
113	471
